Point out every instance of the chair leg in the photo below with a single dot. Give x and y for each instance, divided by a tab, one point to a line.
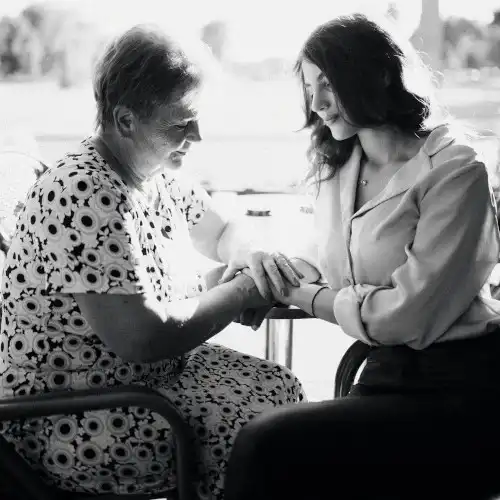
348	368
272	340
289	344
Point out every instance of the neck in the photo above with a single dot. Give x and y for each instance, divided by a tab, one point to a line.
385	145
119	157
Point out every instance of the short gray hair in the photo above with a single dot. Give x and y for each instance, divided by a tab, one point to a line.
142	69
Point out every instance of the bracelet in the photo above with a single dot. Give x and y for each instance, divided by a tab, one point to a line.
314	298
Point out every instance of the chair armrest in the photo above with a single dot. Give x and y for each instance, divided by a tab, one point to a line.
64	402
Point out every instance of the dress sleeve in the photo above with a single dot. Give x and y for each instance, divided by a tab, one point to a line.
87	235
454	250
189	196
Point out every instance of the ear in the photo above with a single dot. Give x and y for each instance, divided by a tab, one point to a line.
125	121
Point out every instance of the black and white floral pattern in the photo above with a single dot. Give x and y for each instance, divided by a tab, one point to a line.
83	231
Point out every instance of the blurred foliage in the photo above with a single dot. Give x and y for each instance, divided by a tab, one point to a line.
53	39
48	39
469	44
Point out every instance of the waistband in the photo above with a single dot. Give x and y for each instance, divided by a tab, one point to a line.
457	364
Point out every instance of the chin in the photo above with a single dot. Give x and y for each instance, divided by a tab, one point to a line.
342	131
173	163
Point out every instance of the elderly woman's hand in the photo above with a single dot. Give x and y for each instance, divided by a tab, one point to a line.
254	316
266	268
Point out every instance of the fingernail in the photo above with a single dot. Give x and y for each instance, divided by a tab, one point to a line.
296	282
300	275
284	292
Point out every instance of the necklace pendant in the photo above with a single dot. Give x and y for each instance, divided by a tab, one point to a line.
363	182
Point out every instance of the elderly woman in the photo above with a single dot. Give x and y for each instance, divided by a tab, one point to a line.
99	289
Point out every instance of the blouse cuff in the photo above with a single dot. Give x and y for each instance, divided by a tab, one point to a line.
347	311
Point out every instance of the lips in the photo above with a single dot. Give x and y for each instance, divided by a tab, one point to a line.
331	119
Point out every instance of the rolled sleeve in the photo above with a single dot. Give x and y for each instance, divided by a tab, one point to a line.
347	311
189	195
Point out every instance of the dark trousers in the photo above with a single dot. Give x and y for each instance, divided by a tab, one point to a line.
420	425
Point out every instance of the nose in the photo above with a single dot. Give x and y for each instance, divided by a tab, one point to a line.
319	102
193	134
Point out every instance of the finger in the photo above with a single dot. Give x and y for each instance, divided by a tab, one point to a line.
246	317
228	274
293	266
288	270
274	275
259	276
277	295
259	317
247	271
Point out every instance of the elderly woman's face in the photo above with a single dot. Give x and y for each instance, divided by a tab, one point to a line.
167	137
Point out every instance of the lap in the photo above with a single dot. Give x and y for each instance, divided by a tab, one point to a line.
131	450
399	427
401	445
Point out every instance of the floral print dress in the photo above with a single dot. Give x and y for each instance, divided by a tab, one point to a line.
83	231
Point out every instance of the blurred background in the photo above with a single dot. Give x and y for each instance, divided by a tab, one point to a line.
251	121
252	117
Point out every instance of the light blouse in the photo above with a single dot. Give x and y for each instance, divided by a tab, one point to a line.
411	265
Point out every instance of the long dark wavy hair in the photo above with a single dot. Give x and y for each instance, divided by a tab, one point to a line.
373	78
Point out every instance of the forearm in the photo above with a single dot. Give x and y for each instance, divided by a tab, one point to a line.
188	323
235	243
303	296
213	276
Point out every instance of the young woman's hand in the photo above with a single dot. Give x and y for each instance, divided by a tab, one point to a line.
266	268
309	273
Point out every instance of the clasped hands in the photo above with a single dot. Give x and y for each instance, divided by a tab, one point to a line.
274	274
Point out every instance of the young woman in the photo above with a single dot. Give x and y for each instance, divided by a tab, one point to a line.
407	238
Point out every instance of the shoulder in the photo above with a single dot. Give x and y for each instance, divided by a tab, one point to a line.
82	174
183	188
452	154
80	183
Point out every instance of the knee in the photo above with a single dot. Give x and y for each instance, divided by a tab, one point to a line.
262	433
252	457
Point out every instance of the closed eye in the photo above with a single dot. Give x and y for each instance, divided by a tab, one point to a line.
325	84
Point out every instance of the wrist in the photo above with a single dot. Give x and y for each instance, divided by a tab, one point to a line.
244	285
303	296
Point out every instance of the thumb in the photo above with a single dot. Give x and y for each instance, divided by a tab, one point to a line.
260	316
229	274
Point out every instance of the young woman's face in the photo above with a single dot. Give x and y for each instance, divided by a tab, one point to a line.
324	103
